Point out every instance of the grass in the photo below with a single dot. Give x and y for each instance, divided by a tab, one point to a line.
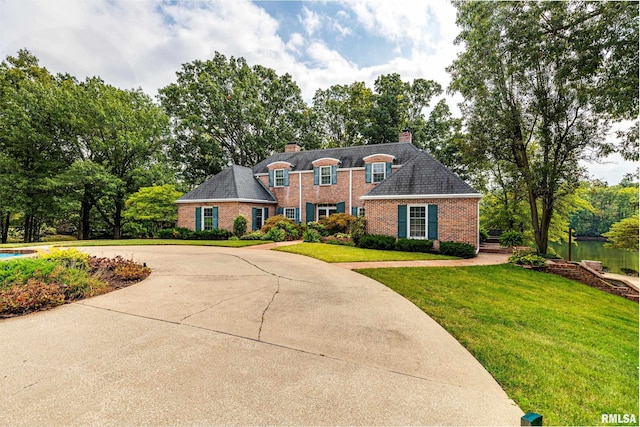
338	253
557	347
142	242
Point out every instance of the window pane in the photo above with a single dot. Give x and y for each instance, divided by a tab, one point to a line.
290	213
279	175
325	175
417	221
208	218
378	172
259	218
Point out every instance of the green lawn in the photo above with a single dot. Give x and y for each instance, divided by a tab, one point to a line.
339	253
557	347
141	242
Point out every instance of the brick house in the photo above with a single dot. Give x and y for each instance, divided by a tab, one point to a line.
401	190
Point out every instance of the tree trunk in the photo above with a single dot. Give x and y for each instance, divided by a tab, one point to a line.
85	217
27	228
117	219
5	227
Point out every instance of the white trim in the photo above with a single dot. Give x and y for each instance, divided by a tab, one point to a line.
281	161
478	231
225	200
275	178
426	221
326	158
350	191
379	154
330	175
311	170
384	171
424	196
300	195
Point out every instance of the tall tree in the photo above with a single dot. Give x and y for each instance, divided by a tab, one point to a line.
398	105
224	111
534	78
343	114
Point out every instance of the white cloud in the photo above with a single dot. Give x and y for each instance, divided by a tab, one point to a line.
310	20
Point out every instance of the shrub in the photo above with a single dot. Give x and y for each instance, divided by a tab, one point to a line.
484	235
311	236
71	258
358	229
338	223
254	235
413	245
320	228
377	241
511	238
462	250
276	234
175	233
527	257
32	296
19	271
289	227
215	234
240	226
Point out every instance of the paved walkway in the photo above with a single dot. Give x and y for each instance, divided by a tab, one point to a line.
241	337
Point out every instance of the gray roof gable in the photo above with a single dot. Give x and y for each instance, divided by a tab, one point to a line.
423	176
350	157
233	183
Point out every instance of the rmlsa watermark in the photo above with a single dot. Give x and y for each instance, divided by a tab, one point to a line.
619	419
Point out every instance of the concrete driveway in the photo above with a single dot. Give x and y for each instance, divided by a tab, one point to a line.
241	337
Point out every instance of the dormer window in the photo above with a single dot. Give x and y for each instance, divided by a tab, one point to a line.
325	175
278	175
378	172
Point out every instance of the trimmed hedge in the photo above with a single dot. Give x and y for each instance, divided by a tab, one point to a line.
377	241
412	245
186	234
462	250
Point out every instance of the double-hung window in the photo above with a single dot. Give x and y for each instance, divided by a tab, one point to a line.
418	222
290	213
207	215
378	172
325	175
278	177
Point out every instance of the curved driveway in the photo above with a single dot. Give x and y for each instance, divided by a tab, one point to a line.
241	337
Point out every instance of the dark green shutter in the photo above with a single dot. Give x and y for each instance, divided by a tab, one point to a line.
402	221
310	214
280	211
286	177
367	173
432	233
198	219
254	219
270	178
334	175
316	176
215	217
297	215
388	171
354	211
340	207
265	214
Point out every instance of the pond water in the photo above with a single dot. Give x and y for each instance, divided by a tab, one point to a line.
612	259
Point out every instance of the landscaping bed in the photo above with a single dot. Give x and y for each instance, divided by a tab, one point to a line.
61	276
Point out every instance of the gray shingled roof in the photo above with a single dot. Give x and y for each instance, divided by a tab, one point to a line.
235	182
350	157
423	175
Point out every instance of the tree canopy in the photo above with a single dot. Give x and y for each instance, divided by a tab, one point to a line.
540	93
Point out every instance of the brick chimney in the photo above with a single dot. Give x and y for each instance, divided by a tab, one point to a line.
404	136
292	147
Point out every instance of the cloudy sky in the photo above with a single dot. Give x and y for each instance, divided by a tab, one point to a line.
142	43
